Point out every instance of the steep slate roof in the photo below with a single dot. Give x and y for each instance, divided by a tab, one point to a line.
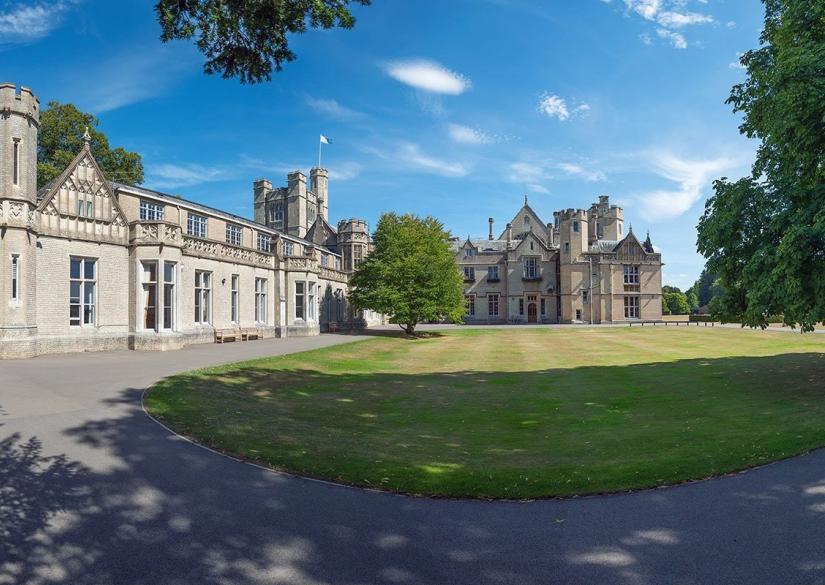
483	245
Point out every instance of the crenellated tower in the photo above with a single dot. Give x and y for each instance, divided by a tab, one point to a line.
19	125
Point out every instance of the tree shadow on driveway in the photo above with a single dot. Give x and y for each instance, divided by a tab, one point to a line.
169	512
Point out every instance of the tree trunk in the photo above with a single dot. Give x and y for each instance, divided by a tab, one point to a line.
410	329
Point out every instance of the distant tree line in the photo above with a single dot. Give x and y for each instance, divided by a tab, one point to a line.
704	296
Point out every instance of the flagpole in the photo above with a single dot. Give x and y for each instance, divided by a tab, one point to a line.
320	143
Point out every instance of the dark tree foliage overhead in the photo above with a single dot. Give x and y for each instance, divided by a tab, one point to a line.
60	139
248	38
764	235
411	275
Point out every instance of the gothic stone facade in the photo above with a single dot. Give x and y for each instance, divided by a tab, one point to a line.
88	264
581	268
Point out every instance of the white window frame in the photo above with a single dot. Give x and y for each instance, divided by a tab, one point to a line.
260	300
632	307
289	248
300	301
234	234
631	274
203	297
470	304
234	296
15	278
311	293
493	305
530	267
169	302
197	225
264	242
151	210
150	294
87	308
85	206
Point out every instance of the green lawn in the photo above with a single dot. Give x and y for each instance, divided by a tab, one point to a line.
515	413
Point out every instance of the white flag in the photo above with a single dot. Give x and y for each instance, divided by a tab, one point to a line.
325	140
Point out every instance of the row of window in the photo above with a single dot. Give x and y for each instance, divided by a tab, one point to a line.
530	270
632	305
493	303
198	226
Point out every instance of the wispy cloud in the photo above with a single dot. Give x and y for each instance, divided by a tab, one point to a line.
467	135
333	109
669	16
411	156
536	173
27	23
428	76
173	176
554	106
346	171
576	170
692	179
131	76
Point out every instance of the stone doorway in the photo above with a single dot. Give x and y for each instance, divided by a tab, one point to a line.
532	313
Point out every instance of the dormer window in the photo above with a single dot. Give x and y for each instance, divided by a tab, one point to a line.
469	252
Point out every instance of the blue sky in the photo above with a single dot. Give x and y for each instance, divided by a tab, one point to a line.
454	108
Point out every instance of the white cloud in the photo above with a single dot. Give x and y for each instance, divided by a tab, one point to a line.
737	63
676	39
332	108
536	188
693	178
23	24
410	155
681	19
172	176
129	77
669	16
554	106
580	171
467	135
428	76
524	172
344	171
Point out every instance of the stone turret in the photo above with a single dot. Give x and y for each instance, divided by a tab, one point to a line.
261	188
319	184
573	233
297	204
353	242
606	220
19	125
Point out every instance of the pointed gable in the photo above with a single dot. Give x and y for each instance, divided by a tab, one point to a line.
526	221
80	203
322	233
630	249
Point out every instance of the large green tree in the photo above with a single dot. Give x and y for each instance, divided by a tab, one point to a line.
62	127
248	38
764	235
411	274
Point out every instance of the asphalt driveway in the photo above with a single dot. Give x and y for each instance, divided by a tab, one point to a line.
92	491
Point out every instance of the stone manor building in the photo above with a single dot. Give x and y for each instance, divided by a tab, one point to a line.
88	264
581	268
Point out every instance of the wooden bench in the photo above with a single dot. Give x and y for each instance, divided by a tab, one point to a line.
224	335
250	333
